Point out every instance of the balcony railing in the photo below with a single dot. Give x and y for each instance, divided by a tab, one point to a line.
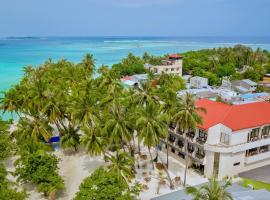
252	153
190	135
265	135
199	155
171	139
253	139
201	140
190	150
180	144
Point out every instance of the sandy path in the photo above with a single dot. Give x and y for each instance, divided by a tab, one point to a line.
74	168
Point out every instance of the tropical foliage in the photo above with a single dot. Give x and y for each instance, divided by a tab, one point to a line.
104	185
8	189
214	190
237	62
40	169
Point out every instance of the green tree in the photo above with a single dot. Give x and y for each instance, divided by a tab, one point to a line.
211	191
187	118
39	168
8	189
152	125
5	141
103	185
121	163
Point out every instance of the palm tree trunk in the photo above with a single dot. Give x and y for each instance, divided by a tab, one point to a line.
151	158
168	175
185	175
167	153
139	147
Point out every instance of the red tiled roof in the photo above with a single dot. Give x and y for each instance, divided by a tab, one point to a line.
236	117
125	78
175	56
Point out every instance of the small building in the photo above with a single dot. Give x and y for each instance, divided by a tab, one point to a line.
244	86
140	78
199	93
226	83
198	82
172	65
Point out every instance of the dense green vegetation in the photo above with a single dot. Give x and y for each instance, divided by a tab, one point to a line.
104	185
237	62
8	189
40	168
212	191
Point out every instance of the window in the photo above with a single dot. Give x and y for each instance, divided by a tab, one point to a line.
254	134
235	164
172	69
225	138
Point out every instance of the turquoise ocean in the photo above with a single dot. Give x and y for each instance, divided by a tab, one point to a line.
15	53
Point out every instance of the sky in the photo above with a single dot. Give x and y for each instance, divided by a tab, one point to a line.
134	18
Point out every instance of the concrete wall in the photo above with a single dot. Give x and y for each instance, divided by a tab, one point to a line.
209	166
177	68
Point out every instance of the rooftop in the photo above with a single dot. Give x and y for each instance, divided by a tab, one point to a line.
236	117
175	56
250	82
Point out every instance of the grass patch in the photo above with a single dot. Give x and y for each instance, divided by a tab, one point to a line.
257	185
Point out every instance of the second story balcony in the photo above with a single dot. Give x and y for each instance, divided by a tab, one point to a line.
200	155
190	135
180	144
201	140
190	148
202	137
171	139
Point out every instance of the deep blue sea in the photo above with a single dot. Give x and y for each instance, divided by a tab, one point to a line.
15	53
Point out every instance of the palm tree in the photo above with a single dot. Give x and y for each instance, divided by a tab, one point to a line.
117	126
144	94
152	126
187	117
212	191
121	163
34	128
89	64
93	140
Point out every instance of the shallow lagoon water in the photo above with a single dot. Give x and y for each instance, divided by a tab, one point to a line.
15	53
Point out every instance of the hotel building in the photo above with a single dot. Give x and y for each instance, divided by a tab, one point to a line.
231	139
172	65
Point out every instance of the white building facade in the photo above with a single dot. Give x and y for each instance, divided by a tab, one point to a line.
173	65
198	82
232	139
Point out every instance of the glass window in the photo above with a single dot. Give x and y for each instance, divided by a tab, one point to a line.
225	138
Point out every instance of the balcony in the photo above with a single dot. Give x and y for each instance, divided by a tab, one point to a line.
180	144
257	157
254	138
200	155
265	135
171	139
190	135
201	140
190	149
